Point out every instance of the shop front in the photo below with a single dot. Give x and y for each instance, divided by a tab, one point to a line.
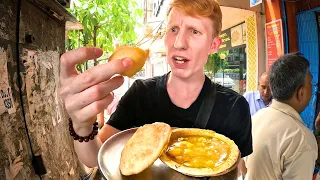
230	66
301	29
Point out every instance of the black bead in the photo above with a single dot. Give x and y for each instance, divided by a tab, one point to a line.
95	128
81	139
91	137
75	137
86	139
95	132
72	133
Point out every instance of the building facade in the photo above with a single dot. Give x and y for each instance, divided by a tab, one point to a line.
300	24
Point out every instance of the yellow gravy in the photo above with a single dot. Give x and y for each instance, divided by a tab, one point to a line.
198	152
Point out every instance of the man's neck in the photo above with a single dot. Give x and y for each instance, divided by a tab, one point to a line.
183	92
266	102
293	104
185	86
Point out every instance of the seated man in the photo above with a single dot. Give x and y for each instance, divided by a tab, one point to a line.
283	147
261	98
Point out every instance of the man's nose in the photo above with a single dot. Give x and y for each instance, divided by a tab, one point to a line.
267	90
181	41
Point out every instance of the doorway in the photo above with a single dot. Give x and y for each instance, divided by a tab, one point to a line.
308	43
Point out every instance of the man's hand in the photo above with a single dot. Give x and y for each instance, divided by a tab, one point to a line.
89	93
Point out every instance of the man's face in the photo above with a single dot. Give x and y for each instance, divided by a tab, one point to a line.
264	88
189	41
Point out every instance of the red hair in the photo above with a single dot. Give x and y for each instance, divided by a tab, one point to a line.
200	8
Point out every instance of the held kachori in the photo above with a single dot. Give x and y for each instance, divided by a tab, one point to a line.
144	148
137	55
198	153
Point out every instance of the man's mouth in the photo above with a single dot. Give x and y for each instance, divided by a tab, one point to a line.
179	60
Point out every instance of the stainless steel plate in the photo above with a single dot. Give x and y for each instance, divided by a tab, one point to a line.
109	160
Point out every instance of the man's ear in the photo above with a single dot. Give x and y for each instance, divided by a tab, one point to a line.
300	93
215	45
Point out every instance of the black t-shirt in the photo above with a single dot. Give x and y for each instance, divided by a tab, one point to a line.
147	101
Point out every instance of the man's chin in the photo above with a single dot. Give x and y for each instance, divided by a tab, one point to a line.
266	99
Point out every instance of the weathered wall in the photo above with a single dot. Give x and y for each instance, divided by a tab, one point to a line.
14	148
46	121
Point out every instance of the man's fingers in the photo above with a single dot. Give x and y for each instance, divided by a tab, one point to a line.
94	108
94	93
69	59
100	73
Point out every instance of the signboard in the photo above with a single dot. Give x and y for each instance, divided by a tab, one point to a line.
226	40
6	99
232	37
274	41
255	2
236	36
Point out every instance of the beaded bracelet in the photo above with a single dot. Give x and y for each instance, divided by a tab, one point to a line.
81	138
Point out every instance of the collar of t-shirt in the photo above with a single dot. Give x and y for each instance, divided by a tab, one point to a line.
287	109
257	97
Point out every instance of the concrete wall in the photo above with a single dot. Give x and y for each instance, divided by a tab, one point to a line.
38	116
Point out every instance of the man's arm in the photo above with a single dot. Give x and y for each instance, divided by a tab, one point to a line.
301	166
88	151
87	94
123	118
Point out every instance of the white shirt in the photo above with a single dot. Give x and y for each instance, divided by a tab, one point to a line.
283	147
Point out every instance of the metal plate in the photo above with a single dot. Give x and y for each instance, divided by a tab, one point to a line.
109	160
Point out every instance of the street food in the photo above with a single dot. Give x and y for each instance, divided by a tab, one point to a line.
190	151
137	55
144	148
199	153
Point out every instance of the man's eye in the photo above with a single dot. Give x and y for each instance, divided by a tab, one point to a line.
173	30
195	31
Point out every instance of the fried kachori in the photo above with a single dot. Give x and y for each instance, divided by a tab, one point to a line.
136	54
144	148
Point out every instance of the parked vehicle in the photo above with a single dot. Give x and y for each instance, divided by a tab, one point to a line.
223	80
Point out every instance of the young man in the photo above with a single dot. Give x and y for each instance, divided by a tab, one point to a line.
175	98
283	147
261	98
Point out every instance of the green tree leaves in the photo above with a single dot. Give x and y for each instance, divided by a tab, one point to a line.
215	64
104	23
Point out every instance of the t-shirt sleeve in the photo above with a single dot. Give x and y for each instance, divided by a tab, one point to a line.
125	115
245	95
241	132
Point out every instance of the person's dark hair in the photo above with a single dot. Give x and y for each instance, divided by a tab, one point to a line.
287	74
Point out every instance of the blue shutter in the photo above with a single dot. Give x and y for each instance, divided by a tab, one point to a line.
309	46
